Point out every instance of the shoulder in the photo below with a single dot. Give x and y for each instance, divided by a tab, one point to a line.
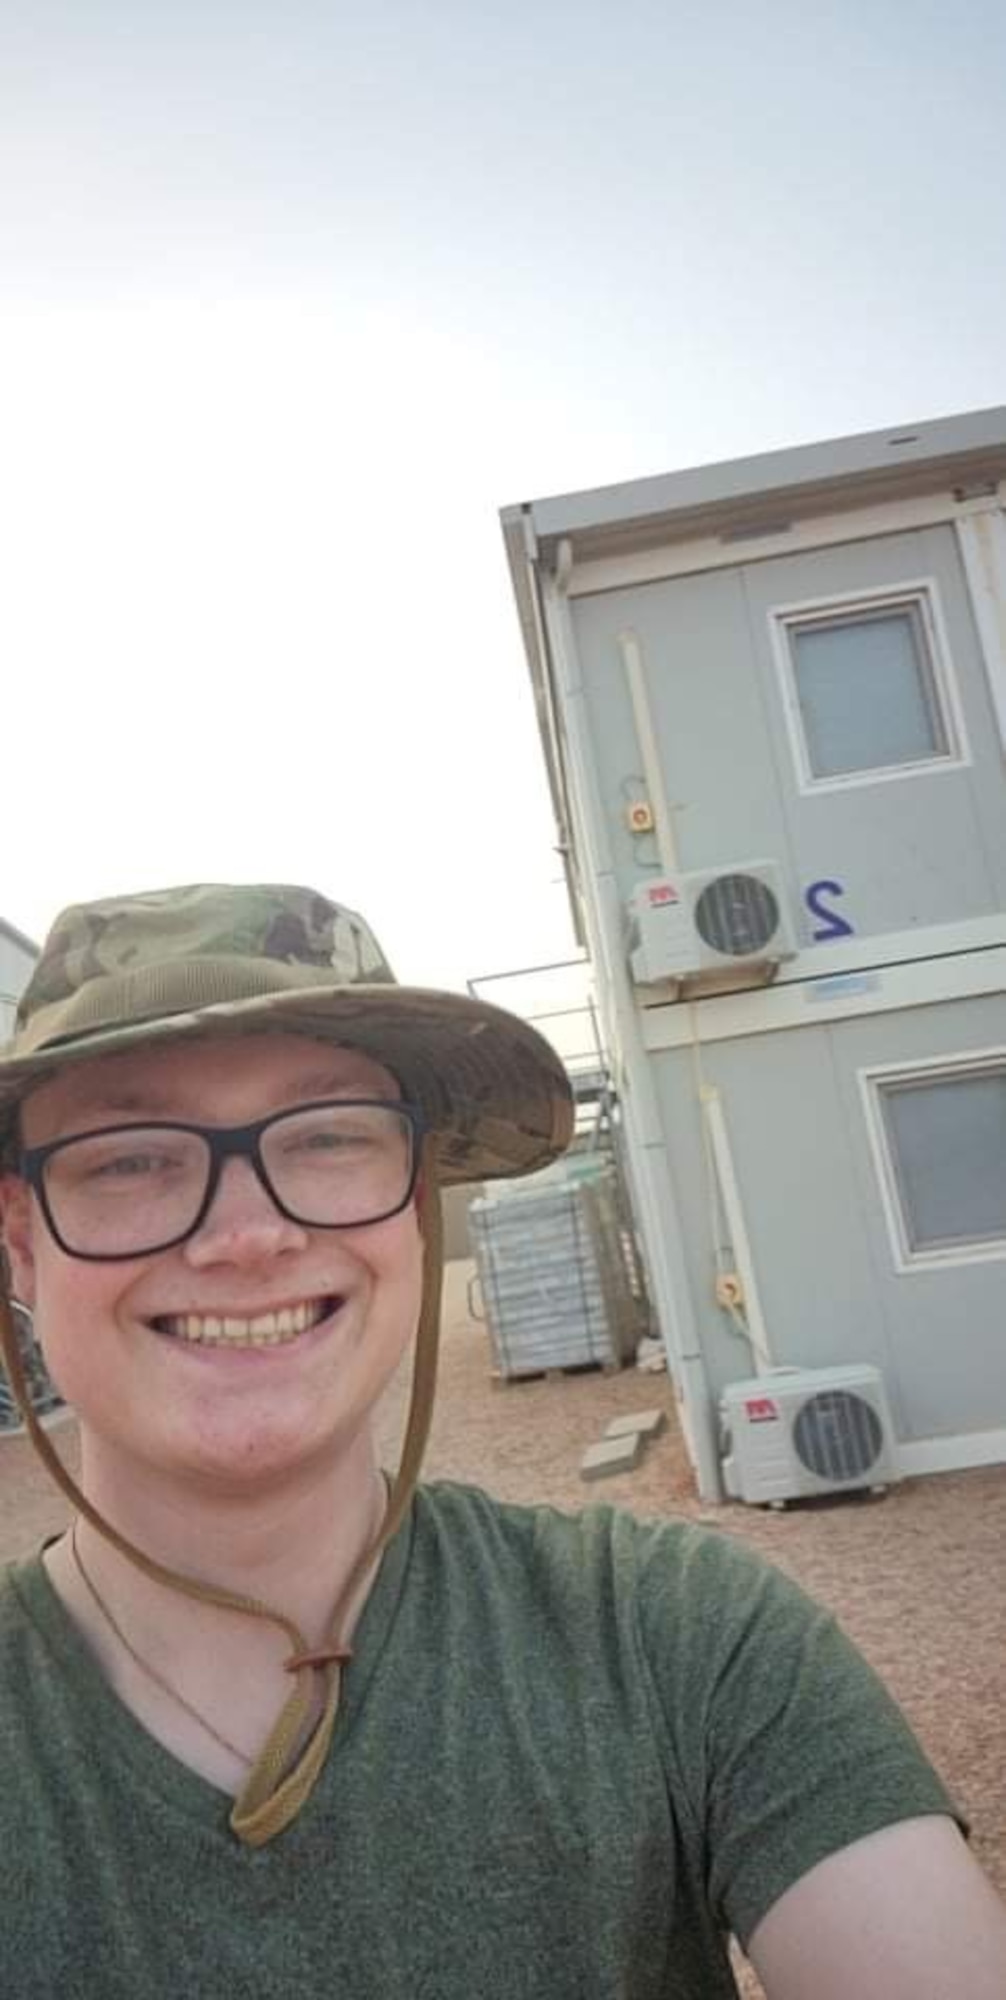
471	1522
664	1553
662	1577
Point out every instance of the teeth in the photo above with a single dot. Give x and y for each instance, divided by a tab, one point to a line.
265	1330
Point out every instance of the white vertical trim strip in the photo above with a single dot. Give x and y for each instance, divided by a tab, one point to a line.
642	714
712	1111
982	542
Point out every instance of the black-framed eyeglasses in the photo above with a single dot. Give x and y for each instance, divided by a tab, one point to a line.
128	1190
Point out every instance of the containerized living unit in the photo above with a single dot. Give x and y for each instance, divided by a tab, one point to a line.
772	699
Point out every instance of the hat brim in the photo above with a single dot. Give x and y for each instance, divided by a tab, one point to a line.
490	1087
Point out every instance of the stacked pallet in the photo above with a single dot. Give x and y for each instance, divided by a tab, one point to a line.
553	1275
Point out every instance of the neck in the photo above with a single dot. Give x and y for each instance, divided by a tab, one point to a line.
200	1677
293	1547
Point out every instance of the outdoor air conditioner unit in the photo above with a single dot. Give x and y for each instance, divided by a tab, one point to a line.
705	921
797	1432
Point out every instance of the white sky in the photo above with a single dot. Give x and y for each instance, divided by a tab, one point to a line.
293	298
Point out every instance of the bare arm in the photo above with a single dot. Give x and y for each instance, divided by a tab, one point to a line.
905	1914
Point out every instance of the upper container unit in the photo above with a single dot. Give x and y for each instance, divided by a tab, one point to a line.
791	668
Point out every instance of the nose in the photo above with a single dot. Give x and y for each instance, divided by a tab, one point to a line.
243	1224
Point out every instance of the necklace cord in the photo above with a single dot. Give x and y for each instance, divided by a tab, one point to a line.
147	1666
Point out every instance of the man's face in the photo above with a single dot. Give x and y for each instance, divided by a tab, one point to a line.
238	1413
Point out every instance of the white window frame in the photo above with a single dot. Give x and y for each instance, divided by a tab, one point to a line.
919	594
933	1069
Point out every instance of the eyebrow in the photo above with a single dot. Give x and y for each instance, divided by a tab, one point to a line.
118	1100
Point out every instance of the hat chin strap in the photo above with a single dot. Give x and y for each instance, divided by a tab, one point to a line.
277	1787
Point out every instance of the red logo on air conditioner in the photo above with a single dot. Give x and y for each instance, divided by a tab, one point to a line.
662	892
761	1410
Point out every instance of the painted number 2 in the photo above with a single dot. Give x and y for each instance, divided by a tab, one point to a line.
829	923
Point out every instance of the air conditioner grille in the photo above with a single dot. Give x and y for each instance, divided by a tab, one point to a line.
838	1435
736	915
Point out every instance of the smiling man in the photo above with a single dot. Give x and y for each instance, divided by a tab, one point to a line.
274	1723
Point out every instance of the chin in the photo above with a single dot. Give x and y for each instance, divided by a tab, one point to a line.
245	1456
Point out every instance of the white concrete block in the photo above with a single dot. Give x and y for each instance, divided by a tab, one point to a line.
645	1423
611	1455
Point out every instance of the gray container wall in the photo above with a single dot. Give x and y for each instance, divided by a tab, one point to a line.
828	1282
925	849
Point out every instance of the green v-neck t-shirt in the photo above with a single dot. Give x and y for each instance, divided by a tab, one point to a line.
573	1754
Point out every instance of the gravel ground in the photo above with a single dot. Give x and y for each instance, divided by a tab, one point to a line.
917	1578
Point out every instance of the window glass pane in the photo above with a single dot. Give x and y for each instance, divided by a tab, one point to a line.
866	693
948	1142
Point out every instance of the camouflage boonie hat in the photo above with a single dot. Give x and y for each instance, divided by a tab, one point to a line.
213	960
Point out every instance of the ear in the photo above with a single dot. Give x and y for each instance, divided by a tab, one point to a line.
16	1229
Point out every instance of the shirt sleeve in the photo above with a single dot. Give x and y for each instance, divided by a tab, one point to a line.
788	1745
